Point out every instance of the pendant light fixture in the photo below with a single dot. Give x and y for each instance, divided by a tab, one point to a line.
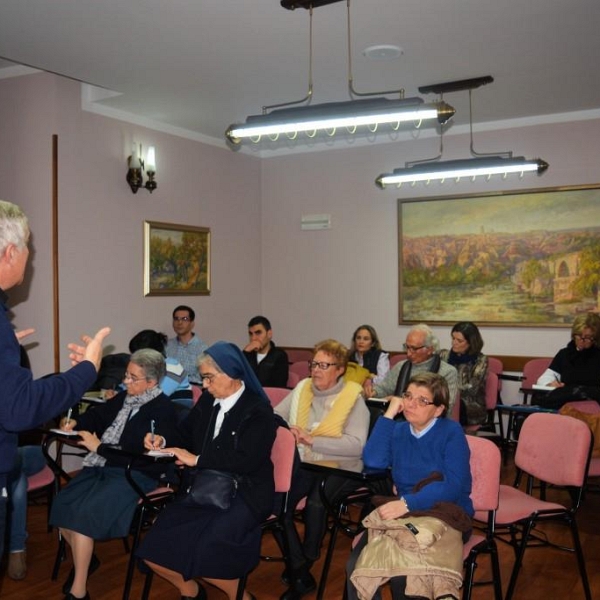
481	164
290	120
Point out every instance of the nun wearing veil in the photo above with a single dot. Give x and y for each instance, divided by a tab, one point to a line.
231	429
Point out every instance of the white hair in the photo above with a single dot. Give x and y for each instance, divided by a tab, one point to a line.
14	228
430	339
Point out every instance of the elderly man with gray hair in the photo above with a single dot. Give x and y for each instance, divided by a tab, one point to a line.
422	348
25	403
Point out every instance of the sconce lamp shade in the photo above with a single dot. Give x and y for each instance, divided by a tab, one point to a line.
455	169
151	160
354	116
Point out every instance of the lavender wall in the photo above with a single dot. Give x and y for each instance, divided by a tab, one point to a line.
101	221
312	284
329	282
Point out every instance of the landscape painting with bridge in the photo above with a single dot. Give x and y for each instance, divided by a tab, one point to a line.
519	259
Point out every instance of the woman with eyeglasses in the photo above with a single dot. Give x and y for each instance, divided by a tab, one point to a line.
99	503
366	351
472	365
574	373
329	419
428	456
230	429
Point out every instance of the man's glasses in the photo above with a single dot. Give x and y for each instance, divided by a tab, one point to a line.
413	348
313	364
181	319
584	338
408	397
132	378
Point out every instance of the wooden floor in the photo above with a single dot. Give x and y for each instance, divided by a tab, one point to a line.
547	573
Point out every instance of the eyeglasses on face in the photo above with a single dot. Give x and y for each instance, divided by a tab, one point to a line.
409	348
584	338
208	377
181	319
312	364
408	397
132	378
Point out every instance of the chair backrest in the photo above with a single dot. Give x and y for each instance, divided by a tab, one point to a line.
492	386
555	449
495	365
196	393
299	354
533	368
396	358
282	457
455	414
276	394
485	463
293	379
300	368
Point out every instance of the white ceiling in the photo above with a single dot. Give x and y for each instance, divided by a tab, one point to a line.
201	65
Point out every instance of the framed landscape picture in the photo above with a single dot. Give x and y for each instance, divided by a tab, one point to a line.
529	258
176	259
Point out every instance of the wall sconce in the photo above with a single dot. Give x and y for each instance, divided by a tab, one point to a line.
135	167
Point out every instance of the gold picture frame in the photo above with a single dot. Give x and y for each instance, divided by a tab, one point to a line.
176	260
521	258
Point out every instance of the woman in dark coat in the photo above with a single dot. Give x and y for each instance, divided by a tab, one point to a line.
231	429
99	503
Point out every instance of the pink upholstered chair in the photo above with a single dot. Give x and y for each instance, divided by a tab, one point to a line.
293	380
485	472
43	483
396	358
532	371
276	395
300	368
282	456
491	400
196	393
541	454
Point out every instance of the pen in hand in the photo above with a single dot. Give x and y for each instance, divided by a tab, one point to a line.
152	425
69	413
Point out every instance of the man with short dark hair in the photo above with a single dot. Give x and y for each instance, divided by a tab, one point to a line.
25	403
268	362
186	346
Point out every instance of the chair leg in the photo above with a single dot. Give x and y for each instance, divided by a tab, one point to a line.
470	566
61	554
241	588
328	558
137	530
147	585
520	553
580	558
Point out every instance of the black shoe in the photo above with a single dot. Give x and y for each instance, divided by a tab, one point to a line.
94	564
301	585
287	578
70	596
200	595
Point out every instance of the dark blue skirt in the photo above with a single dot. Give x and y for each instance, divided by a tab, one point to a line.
203	542
98	502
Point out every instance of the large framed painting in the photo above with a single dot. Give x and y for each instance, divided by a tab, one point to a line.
524	258
176	259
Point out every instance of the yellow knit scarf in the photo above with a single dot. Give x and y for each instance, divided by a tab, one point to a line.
332	424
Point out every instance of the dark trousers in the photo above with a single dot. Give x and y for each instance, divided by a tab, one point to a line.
3	503
397	584
307	484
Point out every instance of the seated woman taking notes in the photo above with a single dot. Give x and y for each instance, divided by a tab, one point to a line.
99	503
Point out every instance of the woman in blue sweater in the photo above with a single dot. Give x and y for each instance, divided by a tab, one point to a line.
426	452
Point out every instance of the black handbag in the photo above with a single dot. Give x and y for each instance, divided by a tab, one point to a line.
211	489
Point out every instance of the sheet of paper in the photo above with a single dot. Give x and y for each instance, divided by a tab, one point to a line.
63	432
159	453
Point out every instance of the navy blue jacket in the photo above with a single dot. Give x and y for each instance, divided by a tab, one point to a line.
25	403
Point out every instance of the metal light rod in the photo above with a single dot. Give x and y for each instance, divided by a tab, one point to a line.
356	116
455	169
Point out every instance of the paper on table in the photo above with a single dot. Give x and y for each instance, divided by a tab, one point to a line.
537	386
64	432
159	453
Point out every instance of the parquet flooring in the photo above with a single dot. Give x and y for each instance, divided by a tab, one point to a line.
547	573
